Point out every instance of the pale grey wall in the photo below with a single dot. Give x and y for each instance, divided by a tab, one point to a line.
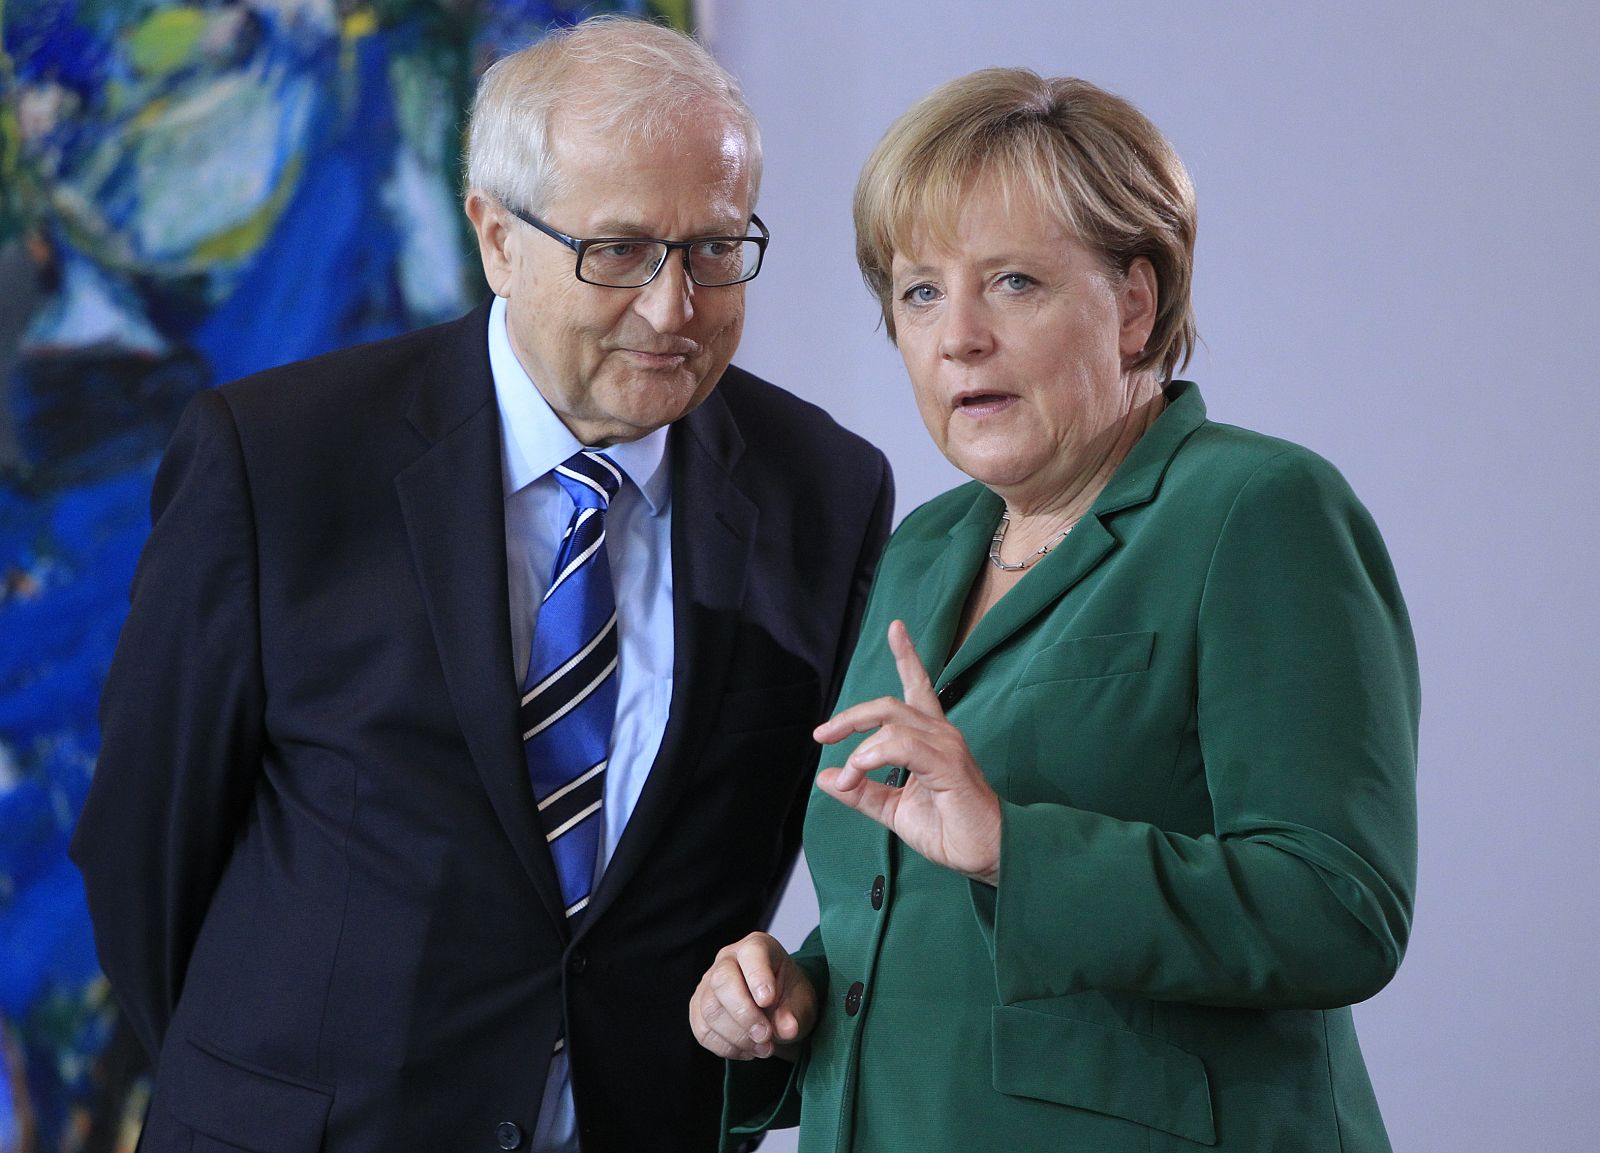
1397	266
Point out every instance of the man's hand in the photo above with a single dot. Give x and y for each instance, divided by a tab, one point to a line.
754	1001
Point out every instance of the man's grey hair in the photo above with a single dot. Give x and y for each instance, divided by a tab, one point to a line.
611	74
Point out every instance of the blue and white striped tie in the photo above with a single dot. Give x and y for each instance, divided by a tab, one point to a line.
569	700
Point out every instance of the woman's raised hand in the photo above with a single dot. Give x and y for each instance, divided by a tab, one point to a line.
945	810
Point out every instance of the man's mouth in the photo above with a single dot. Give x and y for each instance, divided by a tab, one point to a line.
655	359
667	354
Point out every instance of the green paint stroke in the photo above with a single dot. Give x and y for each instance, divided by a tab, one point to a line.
239	243
12	178
679	12
165	40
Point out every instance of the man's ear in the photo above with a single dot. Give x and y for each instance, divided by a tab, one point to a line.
490	226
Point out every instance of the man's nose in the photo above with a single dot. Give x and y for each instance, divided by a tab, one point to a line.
667	302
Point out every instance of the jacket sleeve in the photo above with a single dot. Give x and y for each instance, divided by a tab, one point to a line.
1307	708
180	723
866	569
761	1095
765	1094
874	538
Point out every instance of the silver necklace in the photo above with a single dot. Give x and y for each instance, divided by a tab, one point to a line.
1030	560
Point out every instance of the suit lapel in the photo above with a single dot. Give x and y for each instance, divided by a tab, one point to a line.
949	565
713	533
453	502
1135	484
1066	565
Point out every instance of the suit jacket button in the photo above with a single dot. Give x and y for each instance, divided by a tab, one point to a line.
950	694
852	999
508	1135
877	891
578	962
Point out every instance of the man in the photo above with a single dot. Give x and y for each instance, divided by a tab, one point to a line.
357	879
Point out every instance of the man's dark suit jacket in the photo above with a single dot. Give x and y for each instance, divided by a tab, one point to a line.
316	877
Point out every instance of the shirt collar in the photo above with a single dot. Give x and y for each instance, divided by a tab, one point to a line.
533	440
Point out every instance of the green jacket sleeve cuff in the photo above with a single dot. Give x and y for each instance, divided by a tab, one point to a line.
759	1095
762	1095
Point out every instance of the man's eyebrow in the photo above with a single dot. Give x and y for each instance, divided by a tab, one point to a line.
619	227
616	226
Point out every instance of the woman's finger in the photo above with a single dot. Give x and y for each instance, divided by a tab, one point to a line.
895	745
920	708
865	717
726	1006
891	745
868	797
914	680
757	966
786	1024
727	1011
716	1030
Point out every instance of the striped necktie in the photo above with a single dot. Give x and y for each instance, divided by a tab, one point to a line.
569	700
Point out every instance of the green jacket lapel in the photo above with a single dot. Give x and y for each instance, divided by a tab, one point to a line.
1135	484
949	565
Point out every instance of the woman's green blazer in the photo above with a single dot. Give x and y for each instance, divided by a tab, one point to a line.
1200	713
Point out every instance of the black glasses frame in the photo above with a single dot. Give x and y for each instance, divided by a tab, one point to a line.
580	245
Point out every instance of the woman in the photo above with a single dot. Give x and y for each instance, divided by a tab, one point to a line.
1108	874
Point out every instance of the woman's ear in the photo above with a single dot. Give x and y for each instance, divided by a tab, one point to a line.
1136	305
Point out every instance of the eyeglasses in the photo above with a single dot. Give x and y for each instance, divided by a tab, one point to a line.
634	261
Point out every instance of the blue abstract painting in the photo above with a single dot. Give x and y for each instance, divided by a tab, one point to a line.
188	192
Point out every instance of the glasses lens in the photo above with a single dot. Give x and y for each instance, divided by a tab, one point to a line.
622	263
716	262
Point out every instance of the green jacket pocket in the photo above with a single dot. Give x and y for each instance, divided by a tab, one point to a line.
1077	658
1105	1070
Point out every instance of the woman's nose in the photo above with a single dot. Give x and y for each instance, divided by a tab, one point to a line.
967	333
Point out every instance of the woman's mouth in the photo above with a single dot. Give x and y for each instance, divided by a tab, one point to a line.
978	404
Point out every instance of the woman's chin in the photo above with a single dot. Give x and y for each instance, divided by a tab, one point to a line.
999	463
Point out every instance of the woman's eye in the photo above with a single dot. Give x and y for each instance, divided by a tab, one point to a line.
1015	281
920	294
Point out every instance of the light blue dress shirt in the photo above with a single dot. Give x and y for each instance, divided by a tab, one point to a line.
639	547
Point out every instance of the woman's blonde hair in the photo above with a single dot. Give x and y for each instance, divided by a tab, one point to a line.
1089	157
